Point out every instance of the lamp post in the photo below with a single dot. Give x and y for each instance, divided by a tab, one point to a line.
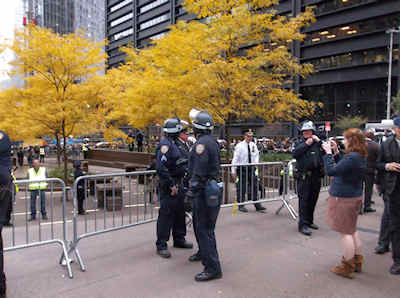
389	91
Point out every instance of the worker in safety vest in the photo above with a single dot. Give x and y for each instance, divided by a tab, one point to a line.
36	174
42	154
85	150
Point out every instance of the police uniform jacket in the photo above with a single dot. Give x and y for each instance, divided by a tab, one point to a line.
204	162
78	173
308	157
241	154
167	155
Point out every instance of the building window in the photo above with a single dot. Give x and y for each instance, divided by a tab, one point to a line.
332	5
154	21
120	5
353	59
121	19
342	31
158	36
121	34
152	5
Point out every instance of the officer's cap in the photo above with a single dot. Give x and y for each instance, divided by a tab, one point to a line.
396	121
249	133
77	163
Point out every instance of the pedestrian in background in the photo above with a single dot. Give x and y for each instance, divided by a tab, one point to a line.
42	154
139	140
369	177
388	165
345	196
20	156
30	157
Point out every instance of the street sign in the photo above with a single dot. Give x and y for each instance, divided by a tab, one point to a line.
327	126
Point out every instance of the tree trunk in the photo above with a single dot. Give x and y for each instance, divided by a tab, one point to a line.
58	148
65	156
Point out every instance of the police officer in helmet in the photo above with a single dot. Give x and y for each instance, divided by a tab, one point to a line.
204	171
171	167
308	154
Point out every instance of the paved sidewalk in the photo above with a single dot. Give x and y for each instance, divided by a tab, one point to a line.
262	255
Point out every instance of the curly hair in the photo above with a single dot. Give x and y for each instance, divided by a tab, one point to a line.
356	141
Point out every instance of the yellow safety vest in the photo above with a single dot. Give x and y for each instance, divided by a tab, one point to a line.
84	148
42	151
15	185
37	176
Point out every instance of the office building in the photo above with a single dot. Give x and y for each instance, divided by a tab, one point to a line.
348	46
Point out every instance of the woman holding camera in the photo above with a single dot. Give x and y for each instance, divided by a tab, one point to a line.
345	196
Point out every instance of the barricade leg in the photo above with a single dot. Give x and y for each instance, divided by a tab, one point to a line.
285	201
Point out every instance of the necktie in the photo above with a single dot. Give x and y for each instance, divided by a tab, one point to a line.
249	153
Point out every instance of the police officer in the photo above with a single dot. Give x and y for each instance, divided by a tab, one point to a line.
308	154
171	169
204	168
81	186
5	197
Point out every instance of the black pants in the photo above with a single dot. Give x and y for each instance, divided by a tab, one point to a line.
21	161
384	233
248	183
2	274
171	216
308	188
369	185
41	158
140	147
206	218
394	211
80	199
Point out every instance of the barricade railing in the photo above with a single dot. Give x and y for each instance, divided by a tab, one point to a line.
112	202
246	184
25	232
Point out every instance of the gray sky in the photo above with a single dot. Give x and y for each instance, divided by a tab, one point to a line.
7	25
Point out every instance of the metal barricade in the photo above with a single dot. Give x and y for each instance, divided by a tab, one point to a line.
25	233
112	202
256	183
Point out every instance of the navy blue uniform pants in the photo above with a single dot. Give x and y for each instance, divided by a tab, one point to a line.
205	219
308	188
171	216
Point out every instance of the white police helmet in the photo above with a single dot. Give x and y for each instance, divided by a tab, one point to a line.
308	125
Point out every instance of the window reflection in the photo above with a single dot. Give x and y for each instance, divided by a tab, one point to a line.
353	59
381	23
332	5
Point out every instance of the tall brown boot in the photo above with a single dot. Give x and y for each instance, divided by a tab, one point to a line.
358	261
345	269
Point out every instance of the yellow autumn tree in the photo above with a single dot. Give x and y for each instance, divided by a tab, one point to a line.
58	98
233	61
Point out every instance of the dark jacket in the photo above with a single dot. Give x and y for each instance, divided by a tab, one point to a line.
348	175
389	152
308	157
373	152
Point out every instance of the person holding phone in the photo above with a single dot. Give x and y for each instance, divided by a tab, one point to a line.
345	196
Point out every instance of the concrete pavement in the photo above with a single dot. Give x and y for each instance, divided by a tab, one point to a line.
262	255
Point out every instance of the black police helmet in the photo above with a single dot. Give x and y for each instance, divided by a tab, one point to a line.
201	120
173	125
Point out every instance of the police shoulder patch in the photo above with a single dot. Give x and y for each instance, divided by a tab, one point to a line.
164	149
200	148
